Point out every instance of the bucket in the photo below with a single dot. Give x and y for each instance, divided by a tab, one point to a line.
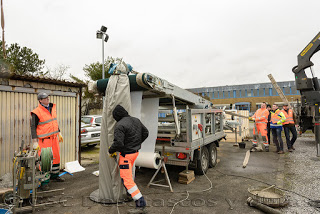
242	145
4	211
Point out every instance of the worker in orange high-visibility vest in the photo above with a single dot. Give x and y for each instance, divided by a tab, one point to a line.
289	126
261	119
129	134
45	133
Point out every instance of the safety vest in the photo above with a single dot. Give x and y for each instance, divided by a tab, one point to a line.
276	117
261	116
289	117
48	124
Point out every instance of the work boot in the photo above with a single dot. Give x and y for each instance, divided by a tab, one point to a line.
267	148
140	207
281	152
58	179
290	150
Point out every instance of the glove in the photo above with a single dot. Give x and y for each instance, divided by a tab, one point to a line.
36	146
113	155
252	119
279	123
60	138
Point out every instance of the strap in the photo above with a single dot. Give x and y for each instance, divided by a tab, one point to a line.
47	121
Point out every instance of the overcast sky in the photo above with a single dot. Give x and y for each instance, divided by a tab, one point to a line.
189	43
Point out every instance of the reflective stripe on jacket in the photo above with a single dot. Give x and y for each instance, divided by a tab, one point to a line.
261	115
48	124
289	117
277	118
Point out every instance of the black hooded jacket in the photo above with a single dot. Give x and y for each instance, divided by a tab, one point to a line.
129	132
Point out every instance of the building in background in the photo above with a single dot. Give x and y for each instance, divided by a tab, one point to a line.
249	96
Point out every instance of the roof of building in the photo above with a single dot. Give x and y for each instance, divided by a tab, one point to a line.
13	76
240	87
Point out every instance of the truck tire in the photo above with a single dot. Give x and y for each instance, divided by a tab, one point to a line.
203	162
213	155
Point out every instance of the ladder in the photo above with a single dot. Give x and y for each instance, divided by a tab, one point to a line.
278	89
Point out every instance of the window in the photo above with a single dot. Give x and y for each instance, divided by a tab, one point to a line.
98	119
86	120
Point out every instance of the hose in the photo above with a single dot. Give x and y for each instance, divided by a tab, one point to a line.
46	159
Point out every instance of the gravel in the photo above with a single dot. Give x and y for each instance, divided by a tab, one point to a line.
302	175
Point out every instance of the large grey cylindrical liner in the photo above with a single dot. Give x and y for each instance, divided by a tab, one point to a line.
117	93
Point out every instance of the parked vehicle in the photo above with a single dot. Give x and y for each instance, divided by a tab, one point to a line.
90	130
92	120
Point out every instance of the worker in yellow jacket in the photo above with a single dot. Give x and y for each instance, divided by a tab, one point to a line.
277	119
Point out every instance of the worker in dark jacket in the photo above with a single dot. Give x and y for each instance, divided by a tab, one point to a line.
129	133
268	124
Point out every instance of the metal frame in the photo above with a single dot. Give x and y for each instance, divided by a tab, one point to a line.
191	145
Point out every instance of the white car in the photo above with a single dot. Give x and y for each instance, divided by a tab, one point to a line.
91	120
90	130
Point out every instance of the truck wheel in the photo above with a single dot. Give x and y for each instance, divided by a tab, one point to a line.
212	155
203	163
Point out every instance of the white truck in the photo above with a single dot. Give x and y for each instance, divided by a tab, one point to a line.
186	123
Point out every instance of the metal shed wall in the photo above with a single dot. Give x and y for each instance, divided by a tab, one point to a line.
16	103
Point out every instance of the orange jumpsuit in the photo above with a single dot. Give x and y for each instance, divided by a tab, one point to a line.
47	132
125	165
261	120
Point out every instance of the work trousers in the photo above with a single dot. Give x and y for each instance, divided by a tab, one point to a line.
277	139
52	142
287	130
125	164
269	132
261	129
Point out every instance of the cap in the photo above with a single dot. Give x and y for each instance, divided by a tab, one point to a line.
42	95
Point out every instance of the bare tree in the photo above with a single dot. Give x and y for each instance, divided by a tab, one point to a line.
59	72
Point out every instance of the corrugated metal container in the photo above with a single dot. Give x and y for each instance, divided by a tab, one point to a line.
18	98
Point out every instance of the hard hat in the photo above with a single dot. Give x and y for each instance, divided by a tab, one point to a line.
42	95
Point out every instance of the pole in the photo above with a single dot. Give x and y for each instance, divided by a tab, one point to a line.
103	76
102	56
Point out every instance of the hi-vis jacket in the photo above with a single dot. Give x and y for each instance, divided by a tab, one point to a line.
277	119
48	124
261	116
289	117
